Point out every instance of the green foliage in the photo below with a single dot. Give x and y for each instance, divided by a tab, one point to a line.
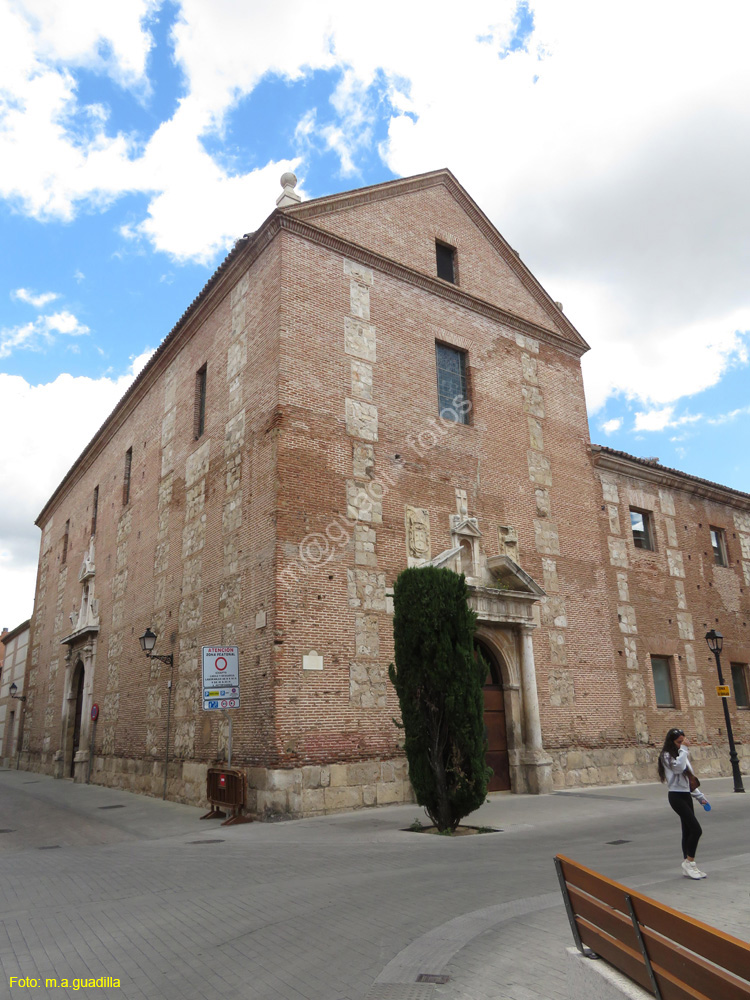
439	685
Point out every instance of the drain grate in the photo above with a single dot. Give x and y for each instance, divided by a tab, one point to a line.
35	782
49	847
110	807
205	842
616	842
7	831
428	977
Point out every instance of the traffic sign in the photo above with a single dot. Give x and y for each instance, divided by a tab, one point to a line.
220	704
221	666
722	690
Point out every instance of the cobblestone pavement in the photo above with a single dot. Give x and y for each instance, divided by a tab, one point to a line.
96	882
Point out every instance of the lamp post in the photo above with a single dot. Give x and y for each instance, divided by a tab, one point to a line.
12	689
715	642
148	641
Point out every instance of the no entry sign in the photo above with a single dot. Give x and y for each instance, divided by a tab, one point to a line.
221	677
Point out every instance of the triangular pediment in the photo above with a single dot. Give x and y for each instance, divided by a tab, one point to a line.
465	526
435	207
508	575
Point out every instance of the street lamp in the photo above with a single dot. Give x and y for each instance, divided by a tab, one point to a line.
715	642
148	641
13	688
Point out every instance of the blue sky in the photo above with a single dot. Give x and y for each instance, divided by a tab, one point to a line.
139	139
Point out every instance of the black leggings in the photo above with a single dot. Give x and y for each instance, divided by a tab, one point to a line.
682	803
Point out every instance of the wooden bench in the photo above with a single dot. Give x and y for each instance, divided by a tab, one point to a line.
670	955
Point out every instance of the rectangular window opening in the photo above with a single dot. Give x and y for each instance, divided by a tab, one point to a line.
661	668
199	419
719	545
452	386
94	510
740	685
126	479
446	262
642	526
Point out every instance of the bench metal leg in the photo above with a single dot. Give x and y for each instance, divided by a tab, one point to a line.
644	951
571	915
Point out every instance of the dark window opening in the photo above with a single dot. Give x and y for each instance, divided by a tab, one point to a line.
719	545
642	526
94	510
446	262
200	401
126	479
453	396
740	685
65	543
662	671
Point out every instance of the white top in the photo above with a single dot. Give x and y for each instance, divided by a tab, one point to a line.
676	769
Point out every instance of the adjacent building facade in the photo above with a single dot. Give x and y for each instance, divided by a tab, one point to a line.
15	647
371	381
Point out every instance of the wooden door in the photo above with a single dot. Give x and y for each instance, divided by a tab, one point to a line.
77	723
494	724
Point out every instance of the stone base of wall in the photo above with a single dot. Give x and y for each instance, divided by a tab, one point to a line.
318	790
631	765
272	794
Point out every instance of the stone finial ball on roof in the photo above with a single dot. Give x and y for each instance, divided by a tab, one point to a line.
288	179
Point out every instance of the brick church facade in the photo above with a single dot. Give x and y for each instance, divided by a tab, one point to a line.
374	380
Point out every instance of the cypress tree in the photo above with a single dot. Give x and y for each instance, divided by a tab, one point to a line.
439	683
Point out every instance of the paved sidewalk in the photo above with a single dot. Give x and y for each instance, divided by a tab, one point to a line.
97	882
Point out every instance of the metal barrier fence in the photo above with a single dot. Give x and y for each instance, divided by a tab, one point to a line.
225	789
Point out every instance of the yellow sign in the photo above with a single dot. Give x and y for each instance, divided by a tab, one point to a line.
722	690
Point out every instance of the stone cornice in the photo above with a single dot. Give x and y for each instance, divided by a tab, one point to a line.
638	468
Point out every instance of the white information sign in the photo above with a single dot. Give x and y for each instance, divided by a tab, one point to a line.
221	677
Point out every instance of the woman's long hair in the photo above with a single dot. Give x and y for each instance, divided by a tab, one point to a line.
669	747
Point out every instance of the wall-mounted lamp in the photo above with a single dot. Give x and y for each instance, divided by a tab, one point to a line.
148	641
19	697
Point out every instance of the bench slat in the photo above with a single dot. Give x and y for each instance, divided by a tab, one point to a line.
707	981
719	948
609	892
603	916
614	952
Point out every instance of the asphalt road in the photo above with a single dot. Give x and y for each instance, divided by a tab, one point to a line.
95	882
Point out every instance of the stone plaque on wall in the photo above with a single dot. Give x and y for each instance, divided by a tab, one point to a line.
418	545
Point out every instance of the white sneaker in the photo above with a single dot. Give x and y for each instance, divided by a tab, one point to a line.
695	866
689	870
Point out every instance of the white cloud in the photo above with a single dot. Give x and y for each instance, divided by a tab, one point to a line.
64	322
727	418
659	420
30	298
40	451
610	426
39	333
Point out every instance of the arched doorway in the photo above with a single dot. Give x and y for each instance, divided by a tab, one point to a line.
77	686
494	721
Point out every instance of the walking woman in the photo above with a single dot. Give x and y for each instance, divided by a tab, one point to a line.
674	768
